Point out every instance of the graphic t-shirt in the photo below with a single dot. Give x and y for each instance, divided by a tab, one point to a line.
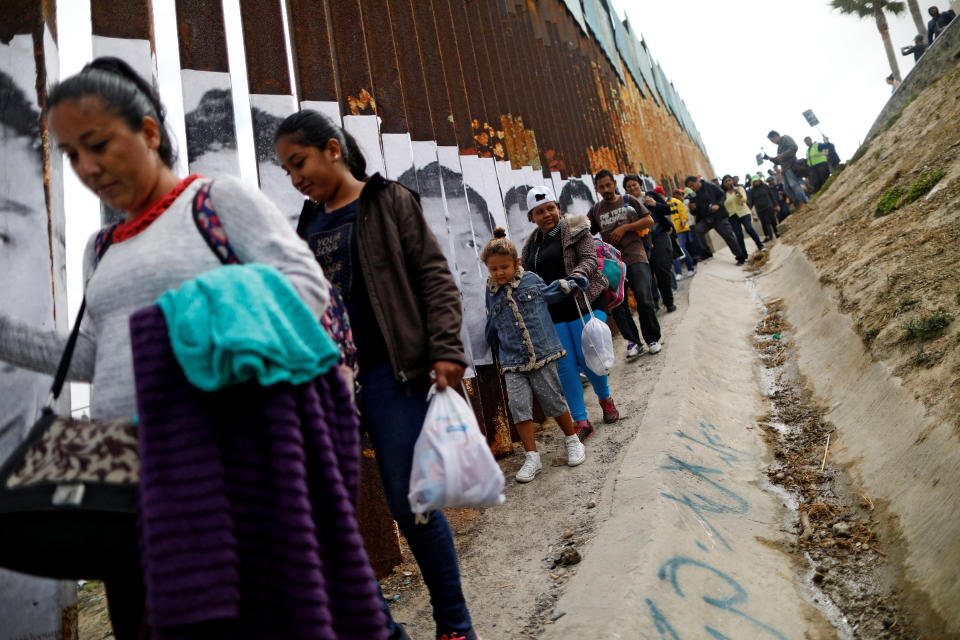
607	216
332	237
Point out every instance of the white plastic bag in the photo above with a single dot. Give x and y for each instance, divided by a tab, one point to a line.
597	343
452	463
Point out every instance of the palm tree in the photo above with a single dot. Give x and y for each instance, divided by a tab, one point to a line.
877	9
917	16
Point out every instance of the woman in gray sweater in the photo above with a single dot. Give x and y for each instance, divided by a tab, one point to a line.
110	125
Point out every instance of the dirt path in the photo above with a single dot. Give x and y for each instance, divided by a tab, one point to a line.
507	553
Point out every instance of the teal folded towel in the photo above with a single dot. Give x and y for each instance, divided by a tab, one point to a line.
245	322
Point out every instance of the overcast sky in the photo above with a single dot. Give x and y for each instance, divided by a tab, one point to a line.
744	67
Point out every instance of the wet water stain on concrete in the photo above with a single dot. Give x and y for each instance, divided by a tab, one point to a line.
841	555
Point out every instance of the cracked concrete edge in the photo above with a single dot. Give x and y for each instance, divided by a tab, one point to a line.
904	458
692	545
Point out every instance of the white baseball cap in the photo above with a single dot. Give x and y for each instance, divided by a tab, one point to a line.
537	196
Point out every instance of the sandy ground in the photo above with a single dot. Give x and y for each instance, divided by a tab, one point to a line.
507	554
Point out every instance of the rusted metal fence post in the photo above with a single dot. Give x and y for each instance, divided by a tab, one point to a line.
314	68
125	34
271	97
207	88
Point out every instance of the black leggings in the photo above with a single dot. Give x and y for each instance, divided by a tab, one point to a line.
661	263
127	596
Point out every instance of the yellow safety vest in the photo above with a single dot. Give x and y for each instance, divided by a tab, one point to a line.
815	155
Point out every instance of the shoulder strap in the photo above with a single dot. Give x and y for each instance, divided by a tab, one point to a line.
210	227
104	240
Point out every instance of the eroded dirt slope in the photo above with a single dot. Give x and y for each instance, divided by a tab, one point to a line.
898	274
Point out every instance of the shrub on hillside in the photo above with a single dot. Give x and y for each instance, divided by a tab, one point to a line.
889	201
894	198
922	185
928	328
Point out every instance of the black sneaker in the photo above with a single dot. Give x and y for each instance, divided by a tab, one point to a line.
671	308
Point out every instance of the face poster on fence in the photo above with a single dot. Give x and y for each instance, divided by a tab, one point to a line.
469	223
211	132
25	258
268	112
576	199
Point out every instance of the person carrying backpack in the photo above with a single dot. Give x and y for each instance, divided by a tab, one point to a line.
559	248
110	125
617	219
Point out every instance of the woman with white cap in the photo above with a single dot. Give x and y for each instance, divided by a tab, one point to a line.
562	247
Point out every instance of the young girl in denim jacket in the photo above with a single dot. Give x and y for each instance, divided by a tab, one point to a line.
522	335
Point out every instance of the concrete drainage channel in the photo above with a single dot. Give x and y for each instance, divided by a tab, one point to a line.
842	566
730	516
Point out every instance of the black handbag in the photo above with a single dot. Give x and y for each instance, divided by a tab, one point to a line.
68	493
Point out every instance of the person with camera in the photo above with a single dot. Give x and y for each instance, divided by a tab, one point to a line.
787	159
917	49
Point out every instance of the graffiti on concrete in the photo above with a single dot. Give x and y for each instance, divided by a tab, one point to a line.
707	495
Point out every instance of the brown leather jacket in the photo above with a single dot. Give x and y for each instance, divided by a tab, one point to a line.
579	254
412	291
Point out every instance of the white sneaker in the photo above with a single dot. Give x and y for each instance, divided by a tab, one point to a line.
576	452
653	347
531	467
679	277
633	350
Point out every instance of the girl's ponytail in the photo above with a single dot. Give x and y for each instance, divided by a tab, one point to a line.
312	128
499	245
353	156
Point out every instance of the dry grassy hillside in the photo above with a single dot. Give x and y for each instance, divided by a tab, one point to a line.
897	270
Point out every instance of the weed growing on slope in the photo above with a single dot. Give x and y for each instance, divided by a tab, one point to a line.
889	201
905	302
896	197
927	328
924	182
921	357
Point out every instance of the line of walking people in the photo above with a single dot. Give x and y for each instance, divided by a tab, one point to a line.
364	264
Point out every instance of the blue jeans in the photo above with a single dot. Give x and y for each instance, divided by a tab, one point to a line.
571	364
392	413
794	187
741	224
683	239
